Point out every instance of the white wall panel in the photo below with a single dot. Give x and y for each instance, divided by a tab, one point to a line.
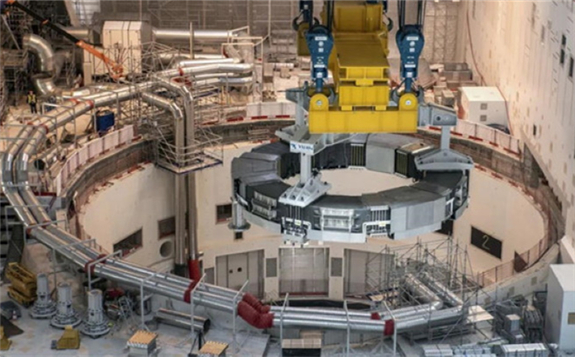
508	49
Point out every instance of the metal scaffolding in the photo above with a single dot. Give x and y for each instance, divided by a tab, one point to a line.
3	91
444	259
441	31
13	58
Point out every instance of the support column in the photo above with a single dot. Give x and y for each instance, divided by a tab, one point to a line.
180	245
445	137
238	223
194	263
180	239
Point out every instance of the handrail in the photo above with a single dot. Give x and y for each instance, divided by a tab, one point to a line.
89	152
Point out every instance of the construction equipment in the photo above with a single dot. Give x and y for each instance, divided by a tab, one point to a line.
5	343
114	69
352	42
23	284
70	340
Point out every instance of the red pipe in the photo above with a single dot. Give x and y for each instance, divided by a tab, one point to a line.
389	327
188	293
255	303
194	269
253	317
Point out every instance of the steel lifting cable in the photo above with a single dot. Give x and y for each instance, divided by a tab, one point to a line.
401	10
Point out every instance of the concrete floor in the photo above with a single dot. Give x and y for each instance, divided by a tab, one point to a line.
172	341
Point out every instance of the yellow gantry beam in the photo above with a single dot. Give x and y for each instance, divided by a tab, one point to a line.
325	119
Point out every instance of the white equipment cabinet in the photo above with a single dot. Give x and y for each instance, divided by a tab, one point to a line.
484	105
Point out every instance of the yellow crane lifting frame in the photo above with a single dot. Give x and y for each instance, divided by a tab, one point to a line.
360	70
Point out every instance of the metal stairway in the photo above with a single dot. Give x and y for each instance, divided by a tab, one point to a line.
11	235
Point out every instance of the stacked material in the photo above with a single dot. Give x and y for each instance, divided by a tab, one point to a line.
525	350
142	343
213	349
472	350
437	351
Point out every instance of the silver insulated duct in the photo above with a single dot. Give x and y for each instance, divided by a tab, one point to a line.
176	35
44	81
183	320
43	51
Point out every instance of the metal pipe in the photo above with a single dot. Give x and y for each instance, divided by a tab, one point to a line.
19	206
417	288
341	323
208	56
434	318
43	51
443	291
237	68
183	320
174	56
180	208
200	62
376	326
82	33
11	154
384	315
44	84
176	35
48	63
222	81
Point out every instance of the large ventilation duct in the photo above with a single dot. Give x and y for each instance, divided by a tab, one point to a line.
50	63
44	81
43	51
44	84
180	206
